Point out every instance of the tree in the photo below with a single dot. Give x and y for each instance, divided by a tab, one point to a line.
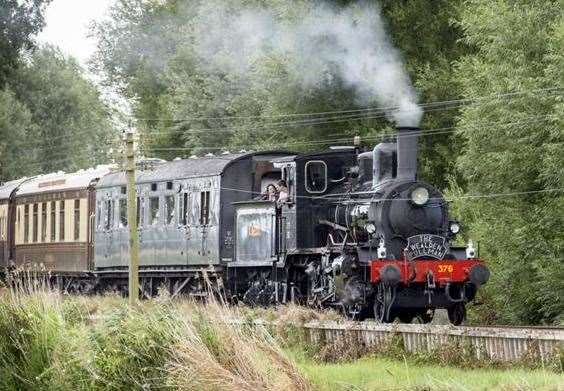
15	125
20	21
148	50
73	125
514	145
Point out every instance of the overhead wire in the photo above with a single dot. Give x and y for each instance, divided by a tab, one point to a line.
385	109
421	133
428	132
320	121
424	133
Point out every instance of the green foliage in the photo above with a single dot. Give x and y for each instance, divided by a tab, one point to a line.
20	21
51	118
15	124
73	124
50	342
521	236
146	50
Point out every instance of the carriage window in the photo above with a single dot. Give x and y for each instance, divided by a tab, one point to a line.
154	210
193	210
184	211
26	223
169	203
213	219
109	214
204	208
76	219
62	220
43	222
35	222
99	214
122	213
139	212
316	176
53	226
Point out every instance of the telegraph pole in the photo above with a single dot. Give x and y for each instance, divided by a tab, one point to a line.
132	219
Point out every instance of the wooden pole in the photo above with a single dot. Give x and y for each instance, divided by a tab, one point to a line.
132	220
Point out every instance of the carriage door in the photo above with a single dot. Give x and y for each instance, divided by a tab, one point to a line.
108	227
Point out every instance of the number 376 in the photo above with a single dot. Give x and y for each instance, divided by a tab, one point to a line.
446	268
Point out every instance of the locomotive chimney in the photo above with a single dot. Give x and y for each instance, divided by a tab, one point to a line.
407	139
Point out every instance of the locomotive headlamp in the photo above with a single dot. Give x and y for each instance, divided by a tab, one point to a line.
420	196
454	227
370	228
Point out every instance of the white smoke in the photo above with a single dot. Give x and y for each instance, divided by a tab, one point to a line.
350	43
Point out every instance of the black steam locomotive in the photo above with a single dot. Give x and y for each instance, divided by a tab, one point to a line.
358	231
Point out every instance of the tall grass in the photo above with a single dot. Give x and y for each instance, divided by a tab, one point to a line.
54	342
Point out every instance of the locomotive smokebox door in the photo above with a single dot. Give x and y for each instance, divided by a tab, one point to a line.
256	238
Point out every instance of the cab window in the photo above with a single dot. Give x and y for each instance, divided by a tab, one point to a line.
316	176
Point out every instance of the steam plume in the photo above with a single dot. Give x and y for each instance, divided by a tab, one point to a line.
325	42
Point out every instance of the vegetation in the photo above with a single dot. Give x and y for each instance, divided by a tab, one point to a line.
51	116
48	342
54	342
372	373
522	236
493	142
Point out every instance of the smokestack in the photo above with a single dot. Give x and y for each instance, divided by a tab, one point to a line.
407	139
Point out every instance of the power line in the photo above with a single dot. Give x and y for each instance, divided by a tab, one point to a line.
424	133
277	125
320	121
383	109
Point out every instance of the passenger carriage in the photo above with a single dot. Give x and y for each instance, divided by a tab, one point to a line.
51	225
185	218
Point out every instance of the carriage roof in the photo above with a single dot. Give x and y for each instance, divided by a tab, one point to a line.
61	181
184	168
7	188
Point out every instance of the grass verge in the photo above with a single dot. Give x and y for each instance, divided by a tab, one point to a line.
383	374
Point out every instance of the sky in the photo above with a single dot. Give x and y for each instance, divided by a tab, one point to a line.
67	26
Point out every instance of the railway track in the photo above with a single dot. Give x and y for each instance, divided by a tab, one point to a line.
496	343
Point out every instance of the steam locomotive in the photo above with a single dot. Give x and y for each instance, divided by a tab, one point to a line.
358	231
